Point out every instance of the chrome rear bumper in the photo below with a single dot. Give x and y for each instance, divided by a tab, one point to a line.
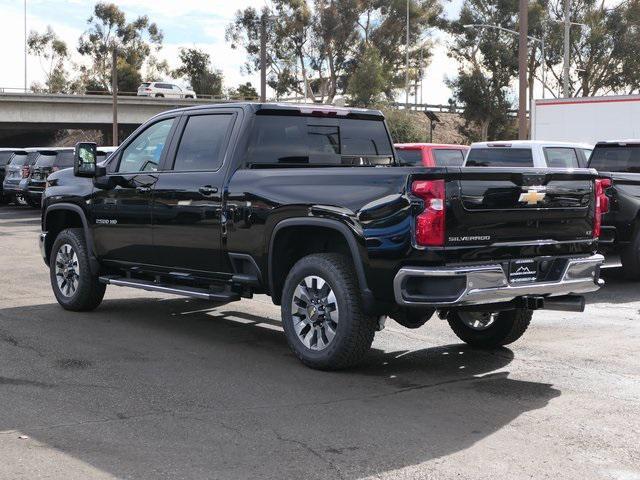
481	284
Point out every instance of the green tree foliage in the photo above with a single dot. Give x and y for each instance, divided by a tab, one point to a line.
403	126
244	91
195	67
488	64
135	42
52	53
604	56
315	45
369	79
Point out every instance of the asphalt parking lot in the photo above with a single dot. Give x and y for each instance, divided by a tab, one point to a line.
151	386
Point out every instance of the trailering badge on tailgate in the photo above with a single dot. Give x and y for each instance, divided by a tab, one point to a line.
523	271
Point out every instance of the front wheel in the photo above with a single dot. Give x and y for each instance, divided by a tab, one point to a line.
322	313
74	286
489	329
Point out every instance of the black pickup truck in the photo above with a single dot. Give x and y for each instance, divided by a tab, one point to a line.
307	204
620	238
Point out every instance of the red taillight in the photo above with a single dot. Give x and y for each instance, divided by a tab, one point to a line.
430	227
25	171
602	204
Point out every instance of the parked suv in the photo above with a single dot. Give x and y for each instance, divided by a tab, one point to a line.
308	204
431	154
163	89
528	153
6	156
16	172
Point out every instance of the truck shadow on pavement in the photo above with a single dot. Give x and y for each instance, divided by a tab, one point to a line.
149	389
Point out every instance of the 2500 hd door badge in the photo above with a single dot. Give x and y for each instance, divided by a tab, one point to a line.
106	221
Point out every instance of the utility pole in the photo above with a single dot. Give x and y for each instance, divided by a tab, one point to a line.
522	69
25	46
114	93
567	47
406	73
263	58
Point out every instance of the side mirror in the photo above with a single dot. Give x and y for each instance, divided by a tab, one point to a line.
84	160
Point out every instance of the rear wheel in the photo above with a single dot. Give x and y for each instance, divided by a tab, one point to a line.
32	203
5	199
74	286
322	313
489	329
159	95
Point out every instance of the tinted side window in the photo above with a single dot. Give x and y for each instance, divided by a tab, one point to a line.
203	143
145	152
409	157
616	158
500	157
448	157
284	139
561	157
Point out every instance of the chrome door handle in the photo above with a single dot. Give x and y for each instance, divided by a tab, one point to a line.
143	189
208	190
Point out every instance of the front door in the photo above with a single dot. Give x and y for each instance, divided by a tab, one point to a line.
187	209
123	201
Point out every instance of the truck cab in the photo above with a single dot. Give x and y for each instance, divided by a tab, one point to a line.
528	153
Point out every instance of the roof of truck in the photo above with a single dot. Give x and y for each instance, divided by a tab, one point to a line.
305	108
619	142
528	144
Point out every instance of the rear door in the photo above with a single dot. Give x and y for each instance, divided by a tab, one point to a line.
187	207
122	230
489	206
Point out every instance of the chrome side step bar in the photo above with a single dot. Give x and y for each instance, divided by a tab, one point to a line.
223	296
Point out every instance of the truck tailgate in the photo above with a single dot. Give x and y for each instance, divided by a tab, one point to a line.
497	205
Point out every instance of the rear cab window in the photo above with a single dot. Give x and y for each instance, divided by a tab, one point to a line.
448	157
622	158
561	157
500	157
409	156
297	140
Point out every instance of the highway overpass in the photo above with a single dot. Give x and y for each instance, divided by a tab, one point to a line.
26	118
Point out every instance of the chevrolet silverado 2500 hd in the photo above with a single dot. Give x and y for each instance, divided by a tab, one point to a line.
308	205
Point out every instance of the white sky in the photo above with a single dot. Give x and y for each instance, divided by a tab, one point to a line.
185	23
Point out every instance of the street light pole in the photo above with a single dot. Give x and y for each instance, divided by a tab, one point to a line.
567	47
522	69
406	73
25	46
263	58
114	92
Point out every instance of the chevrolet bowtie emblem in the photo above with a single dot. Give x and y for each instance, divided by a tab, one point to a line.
532	196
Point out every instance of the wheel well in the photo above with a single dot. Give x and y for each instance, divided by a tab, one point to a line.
293	243
58	220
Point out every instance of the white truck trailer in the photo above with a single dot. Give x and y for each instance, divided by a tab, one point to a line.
586	119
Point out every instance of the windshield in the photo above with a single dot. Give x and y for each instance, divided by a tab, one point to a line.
500	157
287	140
19	159
616	158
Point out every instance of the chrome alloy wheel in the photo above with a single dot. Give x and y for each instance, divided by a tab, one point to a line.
67	270
478	320
314	309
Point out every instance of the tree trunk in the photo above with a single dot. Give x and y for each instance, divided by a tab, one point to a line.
484	130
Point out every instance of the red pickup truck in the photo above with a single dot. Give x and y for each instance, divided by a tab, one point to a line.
431	154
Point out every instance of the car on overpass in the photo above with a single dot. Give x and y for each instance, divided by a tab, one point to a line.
164	89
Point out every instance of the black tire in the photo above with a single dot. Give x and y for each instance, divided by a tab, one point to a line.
159	95
89	292
5	199
33	203
507	327
354	331
630	258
